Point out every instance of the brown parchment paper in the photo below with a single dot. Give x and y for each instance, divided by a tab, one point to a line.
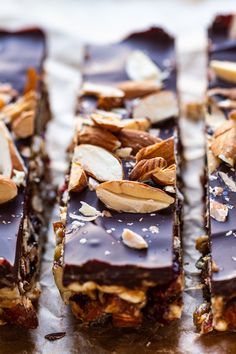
65	52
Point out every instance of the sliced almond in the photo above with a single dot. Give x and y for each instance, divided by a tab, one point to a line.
218	211
157	107
23	126
123	152
133	240
135	139
88	210
78	180
108	103
225	70
106	122
100	137
7	147
97	90
230	183
133	89
223	144
143	170
136	124
32	80
98	162
164	149
8	189
132	197
166	176
140	67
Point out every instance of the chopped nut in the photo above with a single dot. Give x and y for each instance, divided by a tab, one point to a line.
218	211
225	70
8	189
88	210
132	197
165	176
212	161
136	139
97	90
164	149
133	240
92	183
144	169
23	126
140	67
78	179
133	89
99	137
98	162
157	107
107	122
124	152
136	123
230	183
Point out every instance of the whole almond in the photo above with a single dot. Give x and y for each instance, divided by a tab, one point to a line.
100	137
143	170
136	139
164	149
8	189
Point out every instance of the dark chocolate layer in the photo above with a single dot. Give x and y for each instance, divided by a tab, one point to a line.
223	241
18	51
95	252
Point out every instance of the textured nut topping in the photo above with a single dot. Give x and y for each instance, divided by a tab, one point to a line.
23	126
144	169
106	122
166	176
225	70
136	139
164	149
133	240
223	144
88	210
78	179
132	197
98	90
8	189
100	137
133	89
230	183
157	107
218	211
136	124
123	152
140	67
98	162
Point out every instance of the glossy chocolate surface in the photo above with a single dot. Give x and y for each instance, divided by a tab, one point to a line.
95	251
223	234
18	51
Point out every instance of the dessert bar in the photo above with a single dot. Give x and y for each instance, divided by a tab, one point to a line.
24	178
218	263
118	253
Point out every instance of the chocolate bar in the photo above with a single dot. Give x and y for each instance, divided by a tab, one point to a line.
118	253
24	177
218	262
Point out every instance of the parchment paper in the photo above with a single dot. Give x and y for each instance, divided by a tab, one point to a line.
65	53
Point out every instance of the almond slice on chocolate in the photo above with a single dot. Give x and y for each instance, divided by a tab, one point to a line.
166	176
218	211
23	126
164	149
223	144
78	179
225	70
144	169
140	67
11	158
136	139
100	137
98	162
98	90
132	197
133	240
157	107
133	89
8	189
107	122
136	123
